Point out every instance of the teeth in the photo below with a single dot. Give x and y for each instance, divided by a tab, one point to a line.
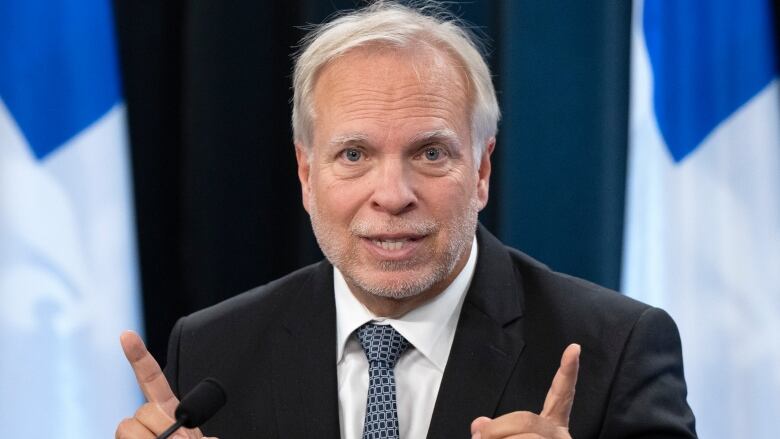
390	244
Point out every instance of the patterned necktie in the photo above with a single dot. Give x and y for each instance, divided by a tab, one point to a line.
383	346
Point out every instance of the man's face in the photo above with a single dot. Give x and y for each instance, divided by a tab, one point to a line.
390	181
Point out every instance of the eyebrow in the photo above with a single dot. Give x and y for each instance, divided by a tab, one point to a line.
443	135
348	139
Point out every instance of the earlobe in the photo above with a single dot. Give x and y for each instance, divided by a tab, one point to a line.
483	182
304	169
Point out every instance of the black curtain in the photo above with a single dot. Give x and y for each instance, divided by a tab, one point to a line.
207	86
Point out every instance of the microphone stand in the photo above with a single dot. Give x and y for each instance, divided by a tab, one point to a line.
172	429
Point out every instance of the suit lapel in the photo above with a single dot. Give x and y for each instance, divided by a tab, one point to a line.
488	342
304	361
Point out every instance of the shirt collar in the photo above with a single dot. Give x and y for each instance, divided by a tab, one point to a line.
430	328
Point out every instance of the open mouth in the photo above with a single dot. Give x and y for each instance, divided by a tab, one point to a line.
394	243
391	244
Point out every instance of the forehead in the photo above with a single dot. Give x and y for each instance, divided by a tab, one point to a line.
386	86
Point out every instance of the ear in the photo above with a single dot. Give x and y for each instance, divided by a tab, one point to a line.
304	167
483	173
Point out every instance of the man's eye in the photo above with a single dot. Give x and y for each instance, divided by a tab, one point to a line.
352	154
432	153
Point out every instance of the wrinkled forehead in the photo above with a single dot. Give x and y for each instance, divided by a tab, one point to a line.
391	71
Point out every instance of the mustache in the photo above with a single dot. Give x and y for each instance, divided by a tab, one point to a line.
393	226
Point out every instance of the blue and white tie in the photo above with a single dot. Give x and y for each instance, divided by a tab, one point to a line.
383	346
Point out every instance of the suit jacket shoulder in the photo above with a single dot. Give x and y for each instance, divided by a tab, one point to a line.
268	347
257	308
518	318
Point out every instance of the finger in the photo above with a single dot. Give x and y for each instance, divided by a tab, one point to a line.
514	423
154	417
560	397
148	373
131	428
478	423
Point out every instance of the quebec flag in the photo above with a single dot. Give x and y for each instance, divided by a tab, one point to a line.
68	276
702	233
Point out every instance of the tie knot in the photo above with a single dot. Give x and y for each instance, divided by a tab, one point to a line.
382	343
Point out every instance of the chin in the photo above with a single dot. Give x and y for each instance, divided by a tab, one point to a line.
394	284
394	290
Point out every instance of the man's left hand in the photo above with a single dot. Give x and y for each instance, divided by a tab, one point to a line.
552	423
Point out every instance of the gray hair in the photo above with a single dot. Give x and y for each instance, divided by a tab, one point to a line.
392	24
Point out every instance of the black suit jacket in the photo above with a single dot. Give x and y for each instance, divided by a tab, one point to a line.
274	350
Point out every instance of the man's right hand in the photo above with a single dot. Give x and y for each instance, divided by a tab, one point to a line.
157	414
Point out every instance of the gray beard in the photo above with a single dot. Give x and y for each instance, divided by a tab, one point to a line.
462	233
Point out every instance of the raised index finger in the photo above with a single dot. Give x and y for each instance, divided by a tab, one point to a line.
560	397
148	373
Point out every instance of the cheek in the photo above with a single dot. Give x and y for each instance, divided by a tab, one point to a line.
338	200
449	198
463	185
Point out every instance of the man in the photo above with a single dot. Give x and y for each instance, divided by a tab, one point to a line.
421	326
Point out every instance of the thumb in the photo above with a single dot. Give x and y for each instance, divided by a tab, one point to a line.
478	423
560	397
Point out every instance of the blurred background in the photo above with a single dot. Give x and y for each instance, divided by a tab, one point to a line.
147	171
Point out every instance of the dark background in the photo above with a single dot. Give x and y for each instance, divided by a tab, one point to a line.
207	86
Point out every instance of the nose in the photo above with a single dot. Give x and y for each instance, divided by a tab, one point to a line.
393	191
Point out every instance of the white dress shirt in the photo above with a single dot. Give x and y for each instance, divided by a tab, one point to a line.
430	329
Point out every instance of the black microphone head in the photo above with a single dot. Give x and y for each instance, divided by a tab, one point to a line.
205	399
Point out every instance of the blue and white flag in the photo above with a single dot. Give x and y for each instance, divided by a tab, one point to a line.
68	275
703	200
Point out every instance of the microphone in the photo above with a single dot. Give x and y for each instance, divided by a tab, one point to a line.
197	406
